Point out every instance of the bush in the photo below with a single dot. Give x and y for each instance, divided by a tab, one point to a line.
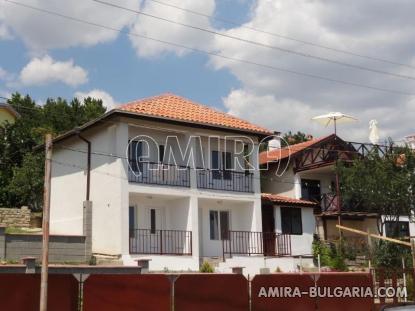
206	268
389	255
320	248
330	255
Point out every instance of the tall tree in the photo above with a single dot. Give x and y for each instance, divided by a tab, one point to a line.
17	162
380	183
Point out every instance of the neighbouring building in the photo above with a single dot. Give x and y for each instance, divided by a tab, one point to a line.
306	172
172	181
7	114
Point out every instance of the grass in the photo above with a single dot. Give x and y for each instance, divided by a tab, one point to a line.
19	230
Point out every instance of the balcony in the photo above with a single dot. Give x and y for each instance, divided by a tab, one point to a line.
227	180
256	243
161	242
158	174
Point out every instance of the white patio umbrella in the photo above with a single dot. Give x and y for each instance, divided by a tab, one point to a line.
374	132
334	118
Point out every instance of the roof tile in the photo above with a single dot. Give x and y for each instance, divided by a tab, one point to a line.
181	109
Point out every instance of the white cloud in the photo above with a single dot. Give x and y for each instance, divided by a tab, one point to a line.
284	101
41	31
3	74
40	71
107	100
150	27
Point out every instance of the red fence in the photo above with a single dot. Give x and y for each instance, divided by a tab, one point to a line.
20	292
127	293
206	292
199	292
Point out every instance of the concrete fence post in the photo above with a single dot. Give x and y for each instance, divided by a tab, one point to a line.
87	229
2	243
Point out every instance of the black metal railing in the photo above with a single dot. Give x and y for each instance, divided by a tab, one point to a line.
160	242
158	174
227	180
256	243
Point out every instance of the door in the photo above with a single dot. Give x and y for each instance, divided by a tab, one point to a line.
268	230
155	234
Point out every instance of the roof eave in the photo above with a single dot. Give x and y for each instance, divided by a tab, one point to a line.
114	112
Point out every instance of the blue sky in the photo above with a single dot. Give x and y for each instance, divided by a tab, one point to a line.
47	56
114	67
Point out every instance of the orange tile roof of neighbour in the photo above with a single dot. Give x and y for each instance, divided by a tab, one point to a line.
279	154
177	108
275	198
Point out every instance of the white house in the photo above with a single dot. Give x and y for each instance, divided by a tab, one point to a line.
169	180
306	172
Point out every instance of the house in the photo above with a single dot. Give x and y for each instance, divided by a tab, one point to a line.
169	180
7	114
306	171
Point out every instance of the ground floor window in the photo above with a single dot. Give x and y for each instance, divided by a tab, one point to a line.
395	229
291	222
219	225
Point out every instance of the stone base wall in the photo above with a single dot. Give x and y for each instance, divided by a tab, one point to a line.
62	248
15	217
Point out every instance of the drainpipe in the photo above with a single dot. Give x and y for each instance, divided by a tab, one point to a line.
88	167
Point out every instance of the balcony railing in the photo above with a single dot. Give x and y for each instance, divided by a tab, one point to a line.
158	174
329	203
227	180
160	242
256	243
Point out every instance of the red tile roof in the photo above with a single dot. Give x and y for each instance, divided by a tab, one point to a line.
275	198
289	151
177	108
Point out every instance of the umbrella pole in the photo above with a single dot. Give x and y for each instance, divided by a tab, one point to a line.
335	127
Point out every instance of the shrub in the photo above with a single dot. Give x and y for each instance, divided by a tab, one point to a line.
389	255
206	268
320	248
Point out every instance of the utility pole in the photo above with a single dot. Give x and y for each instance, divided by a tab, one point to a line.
45	225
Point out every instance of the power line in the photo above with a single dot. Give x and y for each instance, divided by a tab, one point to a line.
273	47
231	22
215	54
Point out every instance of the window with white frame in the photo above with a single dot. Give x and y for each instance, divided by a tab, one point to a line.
219	225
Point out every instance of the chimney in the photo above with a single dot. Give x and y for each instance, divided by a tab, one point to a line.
275	142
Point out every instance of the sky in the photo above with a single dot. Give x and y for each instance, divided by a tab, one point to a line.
280	63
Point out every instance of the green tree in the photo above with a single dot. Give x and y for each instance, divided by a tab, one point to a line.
26	184
382	183
291	139
17	140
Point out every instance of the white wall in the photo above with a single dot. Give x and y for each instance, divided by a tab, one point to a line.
109	191
300	244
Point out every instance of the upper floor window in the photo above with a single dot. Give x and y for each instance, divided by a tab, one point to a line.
311	190
221	164
161	153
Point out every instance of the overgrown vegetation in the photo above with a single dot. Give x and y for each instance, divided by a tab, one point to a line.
331	255
21	173
206	268
389	255
380	183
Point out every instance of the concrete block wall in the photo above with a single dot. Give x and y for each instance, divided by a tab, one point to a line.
15	217
62	248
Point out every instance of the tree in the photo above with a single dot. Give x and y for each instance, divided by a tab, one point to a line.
17	162
291	139
26	184
380	183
